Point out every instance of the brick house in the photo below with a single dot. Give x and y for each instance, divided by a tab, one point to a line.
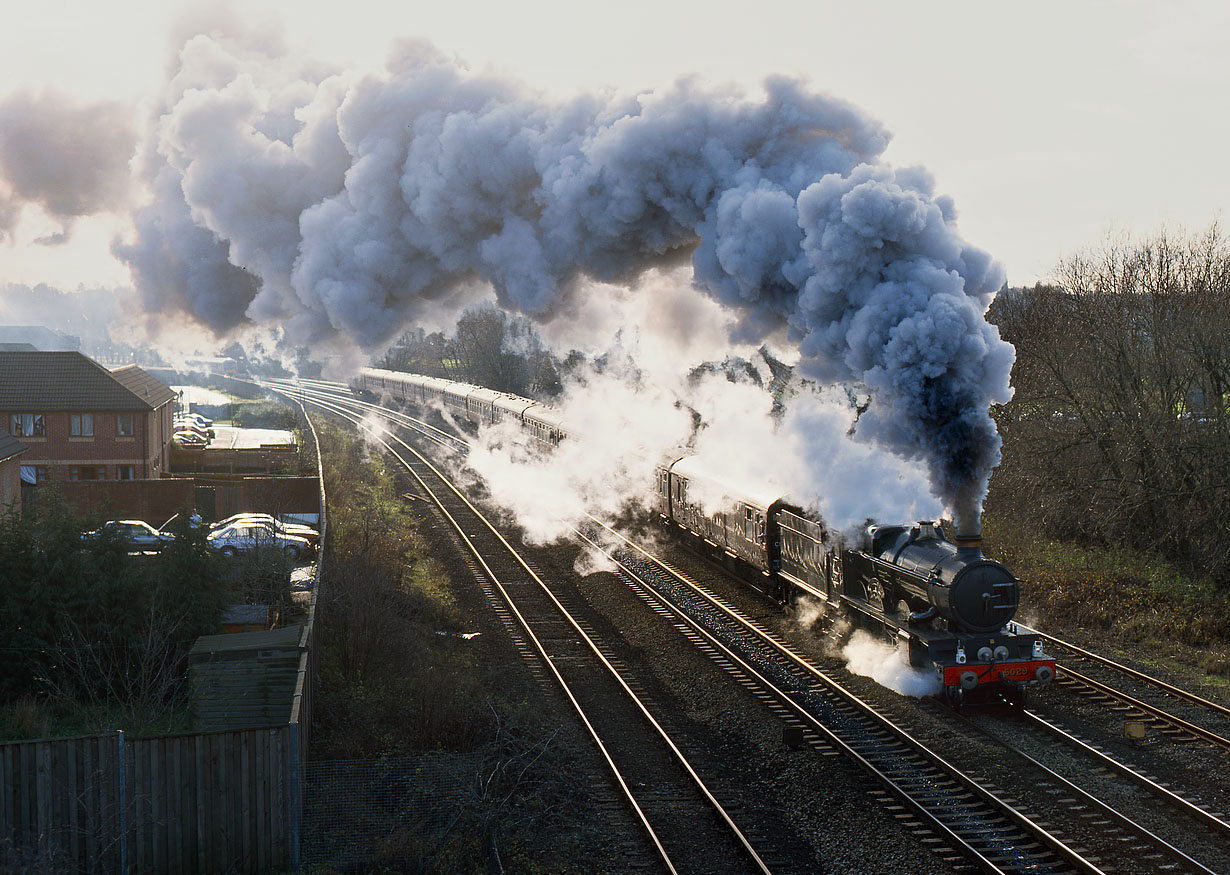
81	421
10	476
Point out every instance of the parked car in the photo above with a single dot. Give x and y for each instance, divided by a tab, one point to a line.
194	428
193	425
247	536
140	536
190	439
308	533
195	419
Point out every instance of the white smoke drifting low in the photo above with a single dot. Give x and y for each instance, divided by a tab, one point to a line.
342	207
870	657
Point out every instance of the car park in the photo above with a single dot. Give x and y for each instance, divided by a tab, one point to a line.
309	534
140	536
251	536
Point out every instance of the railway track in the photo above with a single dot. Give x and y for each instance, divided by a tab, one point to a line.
687	826
1099	832
964	811
1178	713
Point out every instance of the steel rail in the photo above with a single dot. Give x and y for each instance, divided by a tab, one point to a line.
1162	715
956	841
1110	762
1178	692
1151	710
639	812
438	436
1123	820
723	815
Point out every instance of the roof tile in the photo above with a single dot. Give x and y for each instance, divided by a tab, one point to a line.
38	381
10	446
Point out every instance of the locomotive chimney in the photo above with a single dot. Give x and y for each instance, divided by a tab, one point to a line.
969	545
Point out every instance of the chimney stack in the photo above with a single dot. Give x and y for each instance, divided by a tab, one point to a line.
969	545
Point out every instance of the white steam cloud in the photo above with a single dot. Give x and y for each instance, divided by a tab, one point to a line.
67	159
870	657
342	208
600	470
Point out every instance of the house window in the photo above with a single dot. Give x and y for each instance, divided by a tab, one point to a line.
81	424
40	473
123	424
124	472
27	425
87	472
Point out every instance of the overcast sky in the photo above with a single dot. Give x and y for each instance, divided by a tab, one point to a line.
1049	124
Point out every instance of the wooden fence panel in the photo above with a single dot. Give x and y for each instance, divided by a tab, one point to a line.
211	802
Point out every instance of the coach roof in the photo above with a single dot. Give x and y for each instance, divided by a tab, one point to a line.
39	381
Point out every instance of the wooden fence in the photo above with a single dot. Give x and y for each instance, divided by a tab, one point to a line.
207	802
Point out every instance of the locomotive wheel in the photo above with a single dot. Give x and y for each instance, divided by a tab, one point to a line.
954	697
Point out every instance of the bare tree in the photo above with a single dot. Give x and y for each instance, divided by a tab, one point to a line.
1118	429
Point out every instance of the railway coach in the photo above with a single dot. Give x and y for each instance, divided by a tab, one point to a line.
479	405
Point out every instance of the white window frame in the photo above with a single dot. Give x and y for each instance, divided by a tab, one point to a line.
27	425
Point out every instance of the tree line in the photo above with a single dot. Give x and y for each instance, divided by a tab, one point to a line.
488	348
1118	429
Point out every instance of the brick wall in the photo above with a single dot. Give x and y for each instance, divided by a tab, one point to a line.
155	501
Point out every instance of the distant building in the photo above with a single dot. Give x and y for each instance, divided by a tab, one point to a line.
81	421
10	473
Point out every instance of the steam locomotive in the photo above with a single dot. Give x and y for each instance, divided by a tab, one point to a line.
946	607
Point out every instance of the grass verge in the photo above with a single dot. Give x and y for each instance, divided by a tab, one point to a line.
401	676
1134	598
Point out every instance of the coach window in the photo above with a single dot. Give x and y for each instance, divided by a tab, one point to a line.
27	425
81	424
123	424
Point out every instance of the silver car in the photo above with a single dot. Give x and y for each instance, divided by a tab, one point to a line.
140	536
250	536
309	534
